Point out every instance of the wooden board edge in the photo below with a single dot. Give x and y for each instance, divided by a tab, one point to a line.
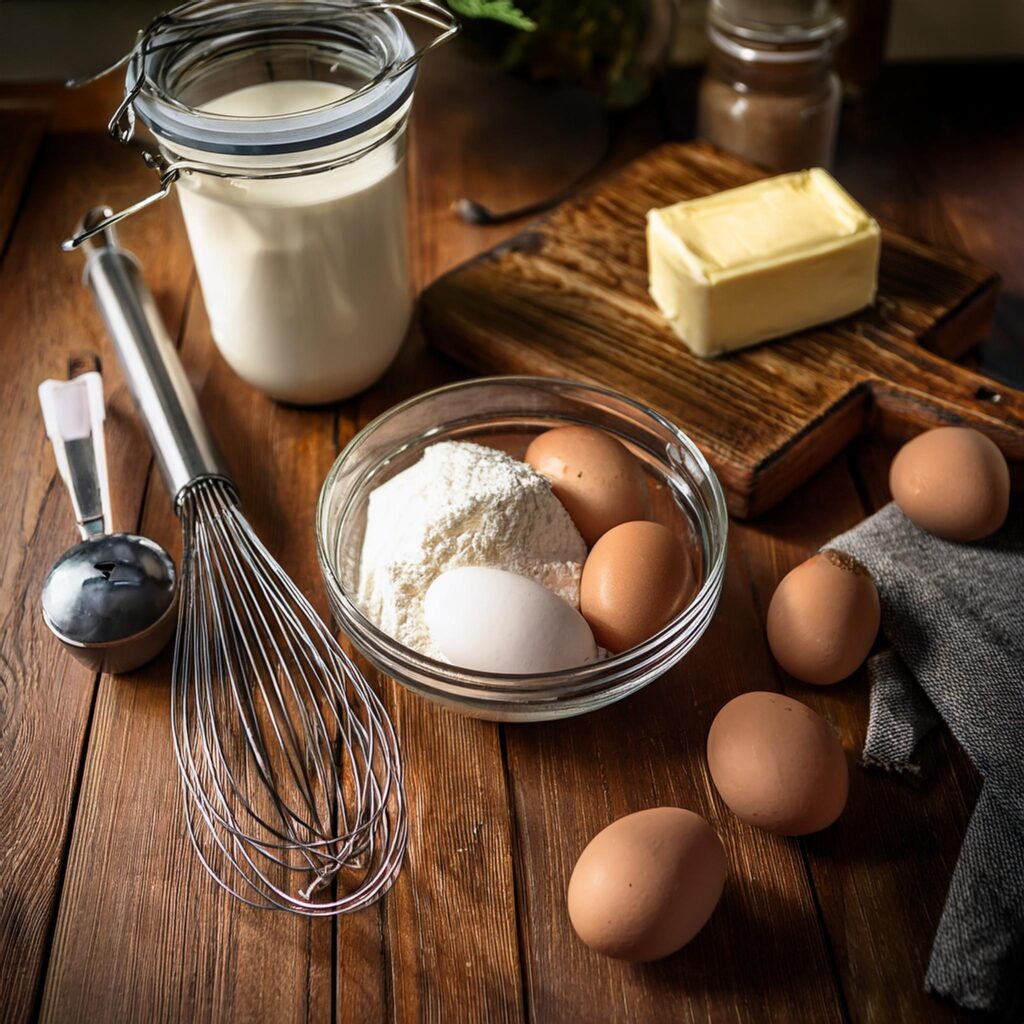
967	323
808	451
751	490
526	237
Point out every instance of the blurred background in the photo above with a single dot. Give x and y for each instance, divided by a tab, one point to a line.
50	39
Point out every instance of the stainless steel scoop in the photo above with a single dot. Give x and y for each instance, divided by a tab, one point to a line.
112	599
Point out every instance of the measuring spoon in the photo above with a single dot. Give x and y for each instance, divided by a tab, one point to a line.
111	599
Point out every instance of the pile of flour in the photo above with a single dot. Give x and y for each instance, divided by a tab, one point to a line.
461	504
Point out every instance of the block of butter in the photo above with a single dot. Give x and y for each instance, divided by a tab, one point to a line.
763	260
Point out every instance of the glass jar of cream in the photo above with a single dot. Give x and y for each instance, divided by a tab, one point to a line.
283	126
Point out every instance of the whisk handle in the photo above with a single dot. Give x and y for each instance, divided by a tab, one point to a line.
186	451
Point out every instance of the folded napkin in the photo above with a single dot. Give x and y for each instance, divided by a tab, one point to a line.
953	615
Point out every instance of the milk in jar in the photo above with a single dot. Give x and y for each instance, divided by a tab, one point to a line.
305	278
282	129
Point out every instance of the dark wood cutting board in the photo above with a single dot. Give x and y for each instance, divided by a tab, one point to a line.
568	297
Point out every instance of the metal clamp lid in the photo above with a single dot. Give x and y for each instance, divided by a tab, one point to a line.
200	21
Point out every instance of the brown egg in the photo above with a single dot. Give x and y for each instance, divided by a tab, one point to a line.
953	482
777	764
646	884
636	579
823	618
596	478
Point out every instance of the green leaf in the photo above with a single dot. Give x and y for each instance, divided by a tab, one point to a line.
504	11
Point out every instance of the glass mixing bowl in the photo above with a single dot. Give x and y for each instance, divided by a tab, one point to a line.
507	413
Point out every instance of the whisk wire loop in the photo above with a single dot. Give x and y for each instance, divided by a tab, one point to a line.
290	770
289	761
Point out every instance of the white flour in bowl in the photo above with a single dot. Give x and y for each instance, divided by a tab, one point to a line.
461	504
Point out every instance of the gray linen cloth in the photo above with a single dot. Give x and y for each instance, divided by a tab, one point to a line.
953	615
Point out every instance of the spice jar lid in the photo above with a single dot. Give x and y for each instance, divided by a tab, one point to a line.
372	40
780	22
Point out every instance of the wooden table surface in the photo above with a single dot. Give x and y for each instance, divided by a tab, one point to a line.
105	914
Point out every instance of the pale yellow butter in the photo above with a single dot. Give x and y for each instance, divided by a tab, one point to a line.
757	262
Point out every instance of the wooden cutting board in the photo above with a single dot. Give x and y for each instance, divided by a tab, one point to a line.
568	297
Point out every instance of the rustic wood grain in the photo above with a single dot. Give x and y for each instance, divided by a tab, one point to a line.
763	946
46	696
568	297
965	196
143	933
942	159
472	126
447	940
85	109
880	878
22	134
836	927
445	937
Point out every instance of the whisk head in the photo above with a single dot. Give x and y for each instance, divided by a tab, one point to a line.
289	763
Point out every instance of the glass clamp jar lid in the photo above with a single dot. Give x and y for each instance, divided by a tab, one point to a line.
176	60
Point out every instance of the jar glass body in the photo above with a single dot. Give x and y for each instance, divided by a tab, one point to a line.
300	247
772	105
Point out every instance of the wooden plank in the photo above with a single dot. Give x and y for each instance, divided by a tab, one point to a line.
143	933
22	132
86	109
930	153
447	944
47	697
482	134
443	943
449	930
881	872
882	901
568	297
763	953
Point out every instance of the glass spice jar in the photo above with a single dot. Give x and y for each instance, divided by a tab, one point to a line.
770	93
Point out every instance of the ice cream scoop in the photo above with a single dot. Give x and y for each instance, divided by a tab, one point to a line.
111	599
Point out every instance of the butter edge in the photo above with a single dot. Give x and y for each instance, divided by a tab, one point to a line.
656	226
825	184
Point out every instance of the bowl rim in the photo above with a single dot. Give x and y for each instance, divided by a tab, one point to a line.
502	685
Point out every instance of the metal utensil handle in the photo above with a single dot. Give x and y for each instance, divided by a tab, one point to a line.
73	413
185	449
82	234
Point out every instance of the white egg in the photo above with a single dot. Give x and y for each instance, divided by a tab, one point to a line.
491	620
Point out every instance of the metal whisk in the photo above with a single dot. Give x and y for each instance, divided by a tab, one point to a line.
290	767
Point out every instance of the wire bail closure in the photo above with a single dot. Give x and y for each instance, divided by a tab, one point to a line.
200	20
